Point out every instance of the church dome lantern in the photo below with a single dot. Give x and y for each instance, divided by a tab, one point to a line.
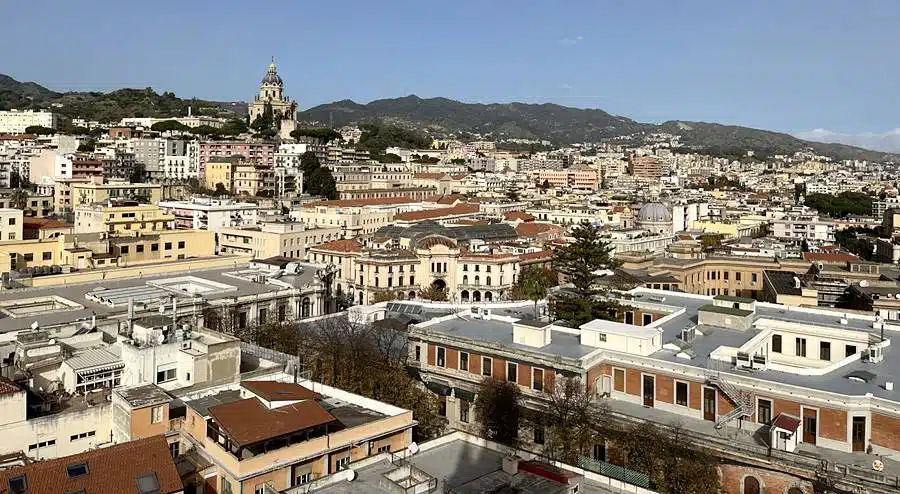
272	77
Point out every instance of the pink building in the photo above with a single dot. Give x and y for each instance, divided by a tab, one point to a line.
578	179
258	152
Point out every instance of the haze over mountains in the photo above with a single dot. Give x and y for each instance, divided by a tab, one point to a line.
556	123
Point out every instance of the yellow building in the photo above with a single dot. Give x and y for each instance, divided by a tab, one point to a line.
729	230
240	177
91	192
87	251
122	218
282	238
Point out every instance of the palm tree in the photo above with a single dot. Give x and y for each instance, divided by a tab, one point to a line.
533	283
19	199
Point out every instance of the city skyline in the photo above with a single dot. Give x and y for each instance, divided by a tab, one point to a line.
792	68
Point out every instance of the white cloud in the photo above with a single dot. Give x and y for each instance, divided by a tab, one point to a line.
565	86
571	41
880	141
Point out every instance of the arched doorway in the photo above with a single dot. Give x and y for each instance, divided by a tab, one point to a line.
751	485
401	295
360	298
488	297
412	294
476	296
464	295
439	284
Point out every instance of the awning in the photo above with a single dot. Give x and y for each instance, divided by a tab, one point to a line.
463	394
438	388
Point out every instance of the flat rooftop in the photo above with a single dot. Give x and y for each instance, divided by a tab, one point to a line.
459	466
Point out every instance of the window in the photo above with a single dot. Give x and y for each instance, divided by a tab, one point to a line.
752	277
681	393
18	485
647	319
537	379
601	336
418	353
77	470
511	369
824	350
75	437
800	347
751	486
538	434
619	380
384	449
47	256
139	248
168	246
463	361
304	478
849	350
226	486
442	406
164	376
464	411
726	275
342	463
776	343
28	257
123	249
487	366
154	247
156	414
12	221
181	244
737	276
763	411
441	355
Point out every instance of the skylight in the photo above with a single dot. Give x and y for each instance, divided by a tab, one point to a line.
77	470
148	483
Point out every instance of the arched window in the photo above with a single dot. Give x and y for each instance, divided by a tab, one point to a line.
487	280
488	297
464	295
305	307
751	485
412	295
465	279
477	280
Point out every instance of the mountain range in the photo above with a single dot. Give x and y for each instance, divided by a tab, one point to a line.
442	116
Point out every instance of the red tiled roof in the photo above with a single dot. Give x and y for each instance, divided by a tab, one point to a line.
786	422
532	229
278	391
446	199
378	201
112	469
541	254
8	388
344	245
249	421
518	215
43	223
459	209
472	222
838	257
428	176
488	257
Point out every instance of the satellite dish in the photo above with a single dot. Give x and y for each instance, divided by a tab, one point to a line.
864	283
413	448
878	466
35	325
351	475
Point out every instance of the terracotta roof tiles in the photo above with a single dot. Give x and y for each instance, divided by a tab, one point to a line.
458	210
249	421
343	245
279	391
112	469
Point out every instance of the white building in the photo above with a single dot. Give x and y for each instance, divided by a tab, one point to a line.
202	213
16	121
799	228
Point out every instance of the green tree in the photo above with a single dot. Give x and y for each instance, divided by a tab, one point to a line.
533	283
265	120
169	126
545	185
39	130
580	261
433	293
499	408
309	162
390	158
233	127
512	194
19	199
321	183
136	175
324	134
221	190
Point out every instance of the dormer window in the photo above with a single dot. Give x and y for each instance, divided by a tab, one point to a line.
18	484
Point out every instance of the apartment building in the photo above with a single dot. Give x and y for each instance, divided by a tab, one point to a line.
11	224
260	152
122	218
810	228
241	177
205	213
354	218
16	121
414	193
95	191
575	178
810	381
719	275
274	239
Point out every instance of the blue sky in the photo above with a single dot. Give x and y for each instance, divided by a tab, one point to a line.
794	65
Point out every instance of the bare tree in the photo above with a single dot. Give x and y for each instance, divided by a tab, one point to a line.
573	418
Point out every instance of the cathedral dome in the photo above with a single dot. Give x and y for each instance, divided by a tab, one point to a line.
654	212
272	76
